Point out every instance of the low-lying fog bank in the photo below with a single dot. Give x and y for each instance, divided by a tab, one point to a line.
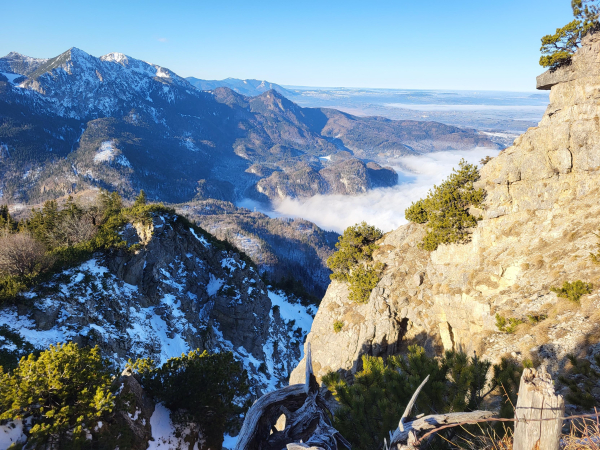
383	207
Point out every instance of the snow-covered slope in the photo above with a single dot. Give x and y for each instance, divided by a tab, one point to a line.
20	64
250	88
78	85
176	294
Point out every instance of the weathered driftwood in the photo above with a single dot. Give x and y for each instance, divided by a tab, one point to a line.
401	439
539	413
307	423
407	434
410	405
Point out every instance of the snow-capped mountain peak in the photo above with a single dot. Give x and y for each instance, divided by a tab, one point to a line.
117	57
142	67
101	86
21	64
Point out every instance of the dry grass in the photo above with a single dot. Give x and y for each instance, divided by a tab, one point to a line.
542	332
486	439
523	329
584	435
588	305
562	306
538	263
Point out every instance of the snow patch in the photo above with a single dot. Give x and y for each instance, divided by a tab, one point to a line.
10	433
107	152
201	238
230	264
165	434
163	431
30	332
150	328
214	284
11	76
290	311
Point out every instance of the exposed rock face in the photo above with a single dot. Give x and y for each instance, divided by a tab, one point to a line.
537	231
141	408
584	64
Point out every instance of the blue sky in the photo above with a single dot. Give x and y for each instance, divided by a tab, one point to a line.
464	44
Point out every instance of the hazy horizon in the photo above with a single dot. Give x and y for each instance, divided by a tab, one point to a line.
387	44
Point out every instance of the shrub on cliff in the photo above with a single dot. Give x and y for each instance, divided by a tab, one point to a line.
373	404
446	208
65	392
200	387
558	48
573	291
352	261
581	379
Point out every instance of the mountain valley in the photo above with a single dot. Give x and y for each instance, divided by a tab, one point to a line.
77	121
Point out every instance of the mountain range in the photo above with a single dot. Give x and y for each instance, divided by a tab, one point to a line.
77	121
249	88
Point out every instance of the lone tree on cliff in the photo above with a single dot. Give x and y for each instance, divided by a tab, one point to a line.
558	48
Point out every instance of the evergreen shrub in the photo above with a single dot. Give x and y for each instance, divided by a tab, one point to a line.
446	208
209	389
372	405
65	392
338	325
353	263
573	291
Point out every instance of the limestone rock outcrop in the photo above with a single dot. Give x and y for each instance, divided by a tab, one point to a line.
172	291
539	222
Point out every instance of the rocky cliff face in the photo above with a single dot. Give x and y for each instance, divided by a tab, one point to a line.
537	231
178	292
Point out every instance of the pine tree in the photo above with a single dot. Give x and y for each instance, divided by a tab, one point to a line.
140	200
446	208
371	406
7	223
65	392
204	386
558	48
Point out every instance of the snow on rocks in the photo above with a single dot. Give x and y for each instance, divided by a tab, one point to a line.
174	295
169	436
11	433
107	153
214	285
200	238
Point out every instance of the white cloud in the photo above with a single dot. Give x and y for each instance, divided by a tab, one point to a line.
382	207
162	39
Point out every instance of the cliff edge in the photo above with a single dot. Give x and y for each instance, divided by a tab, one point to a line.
539	220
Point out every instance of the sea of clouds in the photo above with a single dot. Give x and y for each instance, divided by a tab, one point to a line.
383	207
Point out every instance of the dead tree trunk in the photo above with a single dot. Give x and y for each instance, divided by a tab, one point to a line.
408	435
307	423
539	413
